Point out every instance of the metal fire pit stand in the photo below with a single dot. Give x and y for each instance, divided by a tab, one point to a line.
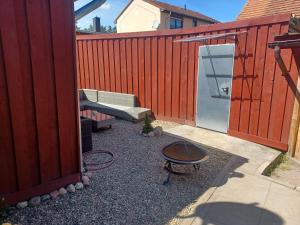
182	153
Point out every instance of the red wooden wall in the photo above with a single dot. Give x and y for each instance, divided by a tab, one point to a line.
163	74
39	147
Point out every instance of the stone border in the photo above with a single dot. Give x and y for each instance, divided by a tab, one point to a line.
71	188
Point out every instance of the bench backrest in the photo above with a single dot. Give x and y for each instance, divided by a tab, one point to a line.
107	97
88	94
116	98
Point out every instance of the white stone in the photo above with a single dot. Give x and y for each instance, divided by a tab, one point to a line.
79	186
54	194
158	131
85	180
45	197
22	205
71	188
298	188
62	191
151	134
89	174
35	201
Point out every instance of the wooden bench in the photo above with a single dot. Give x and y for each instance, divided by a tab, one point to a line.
123	106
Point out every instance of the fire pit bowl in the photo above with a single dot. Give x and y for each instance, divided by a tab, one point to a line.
183	153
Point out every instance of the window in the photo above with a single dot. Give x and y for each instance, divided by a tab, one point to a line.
194	22
175	23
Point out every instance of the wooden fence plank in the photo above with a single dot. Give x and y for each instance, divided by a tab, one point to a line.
135	68
63	67
238	73
106	66
148	86
154	62
247	80
176	78
123	66
118	67
44	88
168	75
161	75
141	64
191	95
112	74
101	65
267	88
7	156
183	81
96	65
129	66
260	59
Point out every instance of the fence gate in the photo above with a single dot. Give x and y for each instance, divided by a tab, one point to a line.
214	86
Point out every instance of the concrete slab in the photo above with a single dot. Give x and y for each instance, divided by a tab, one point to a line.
241	196
248	189
258	156
284	201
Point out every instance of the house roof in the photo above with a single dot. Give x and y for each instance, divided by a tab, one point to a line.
257	8
175	9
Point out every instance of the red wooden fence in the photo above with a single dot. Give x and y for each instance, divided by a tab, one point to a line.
39	147
163	74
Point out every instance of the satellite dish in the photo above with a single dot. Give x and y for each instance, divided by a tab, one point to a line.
155	24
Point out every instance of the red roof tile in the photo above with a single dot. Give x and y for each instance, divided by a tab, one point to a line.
257	8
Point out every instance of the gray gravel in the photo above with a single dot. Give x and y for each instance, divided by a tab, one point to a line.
130	191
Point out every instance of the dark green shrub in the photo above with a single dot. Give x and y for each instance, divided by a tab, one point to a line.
147	128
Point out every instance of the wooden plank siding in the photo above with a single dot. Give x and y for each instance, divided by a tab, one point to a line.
164	75
39	142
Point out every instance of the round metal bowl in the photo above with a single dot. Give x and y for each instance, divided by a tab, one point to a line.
183	152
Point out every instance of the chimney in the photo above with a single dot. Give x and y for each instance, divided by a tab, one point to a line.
96	22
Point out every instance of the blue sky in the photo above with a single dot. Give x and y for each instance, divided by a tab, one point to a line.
222	10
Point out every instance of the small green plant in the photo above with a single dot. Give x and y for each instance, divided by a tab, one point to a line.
282	158
147	128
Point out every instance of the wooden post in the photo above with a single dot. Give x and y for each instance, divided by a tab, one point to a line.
294	138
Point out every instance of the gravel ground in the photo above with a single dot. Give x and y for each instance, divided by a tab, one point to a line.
130	191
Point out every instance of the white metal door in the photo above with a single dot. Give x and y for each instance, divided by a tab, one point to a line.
214	86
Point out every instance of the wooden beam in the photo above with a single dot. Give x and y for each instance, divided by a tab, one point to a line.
285	44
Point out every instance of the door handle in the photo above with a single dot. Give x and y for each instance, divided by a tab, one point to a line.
226	90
